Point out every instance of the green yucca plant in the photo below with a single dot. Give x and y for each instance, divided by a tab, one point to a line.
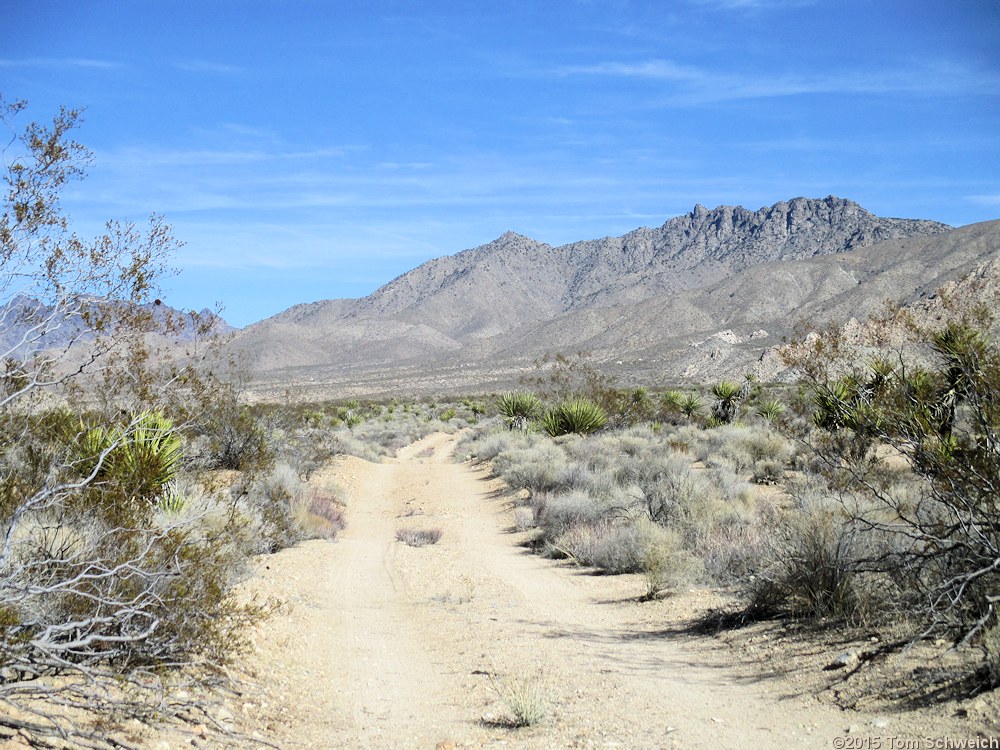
771	410
171	501
579	416
671	400
727	404
141	457
522	405
691	404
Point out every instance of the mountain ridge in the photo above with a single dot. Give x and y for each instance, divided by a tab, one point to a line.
504	302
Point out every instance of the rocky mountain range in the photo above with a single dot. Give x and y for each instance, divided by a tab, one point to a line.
705	293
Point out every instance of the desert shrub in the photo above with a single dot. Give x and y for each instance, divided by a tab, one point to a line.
322	517
489	443
556	513
819	566
936	411
532	468
524	518
666	564
615	545
235	437
418	537
731	487
599	484
597	453
732	553
669	489
633	407
560	378
275	499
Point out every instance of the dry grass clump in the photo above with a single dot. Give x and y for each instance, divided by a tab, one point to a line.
419	537
526	696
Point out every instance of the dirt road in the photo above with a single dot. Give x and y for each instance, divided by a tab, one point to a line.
389	646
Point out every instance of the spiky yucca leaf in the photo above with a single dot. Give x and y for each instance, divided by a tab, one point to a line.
691	404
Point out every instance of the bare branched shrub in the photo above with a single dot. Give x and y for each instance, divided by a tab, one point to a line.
107	586
931	413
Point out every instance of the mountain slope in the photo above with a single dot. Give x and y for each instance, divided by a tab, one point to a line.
642	298
515	280
696	333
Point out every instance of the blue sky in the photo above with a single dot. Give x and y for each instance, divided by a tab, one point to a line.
309	150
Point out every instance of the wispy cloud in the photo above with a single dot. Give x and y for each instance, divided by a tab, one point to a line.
985	200
698	85
60	62
405	166
205	66
141	157
752	4
664	70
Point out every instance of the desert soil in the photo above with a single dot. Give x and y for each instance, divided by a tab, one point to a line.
379	644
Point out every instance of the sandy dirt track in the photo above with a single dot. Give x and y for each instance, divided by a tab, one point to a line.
389	646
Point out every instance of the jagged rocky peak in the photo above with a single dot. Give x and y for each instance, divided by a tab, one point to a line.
795	228
793	214
511	242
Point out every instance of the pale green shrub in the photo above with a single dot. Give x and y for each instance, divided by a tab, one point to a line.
556	513
614	545
666	564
